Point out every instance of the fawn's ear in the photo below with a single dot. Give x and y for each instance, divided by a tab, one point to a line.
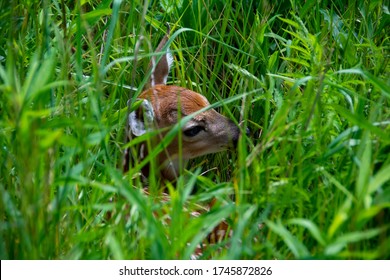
141	119
160	70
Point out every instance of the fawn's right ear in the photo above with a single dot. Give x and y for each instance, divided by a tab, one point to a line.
141	119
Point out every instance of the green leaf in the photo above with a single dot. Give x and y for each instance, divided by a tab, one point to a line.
297	61
362	123
381	177
114	246
340	217
364	167
311	226
290	22
352	237
338	185
297	247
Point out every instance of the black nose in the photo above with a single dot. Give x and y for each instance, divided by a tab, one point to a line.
236	136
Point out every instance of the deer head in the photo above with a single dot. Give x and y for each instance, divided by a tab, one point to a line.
163	106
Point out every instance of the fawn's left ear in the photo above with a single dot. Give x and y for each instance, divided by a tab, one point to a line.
141	119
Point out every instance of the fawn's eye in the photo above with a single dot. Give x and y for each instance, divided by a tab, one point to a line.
193	131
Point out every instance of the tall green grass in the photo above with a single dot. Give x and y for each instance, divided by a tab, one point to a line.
311	181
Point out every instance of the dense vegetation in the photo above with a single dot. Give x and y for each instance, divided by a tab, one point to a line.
309	78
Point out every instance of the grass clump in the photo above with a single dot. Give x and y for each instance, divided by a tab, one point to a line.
312	180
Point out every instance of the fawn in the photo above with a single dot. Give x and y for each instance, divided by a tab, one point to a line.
164	105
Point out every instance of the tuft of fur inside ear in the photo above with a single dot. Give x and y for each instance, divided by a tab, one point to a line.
141	120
